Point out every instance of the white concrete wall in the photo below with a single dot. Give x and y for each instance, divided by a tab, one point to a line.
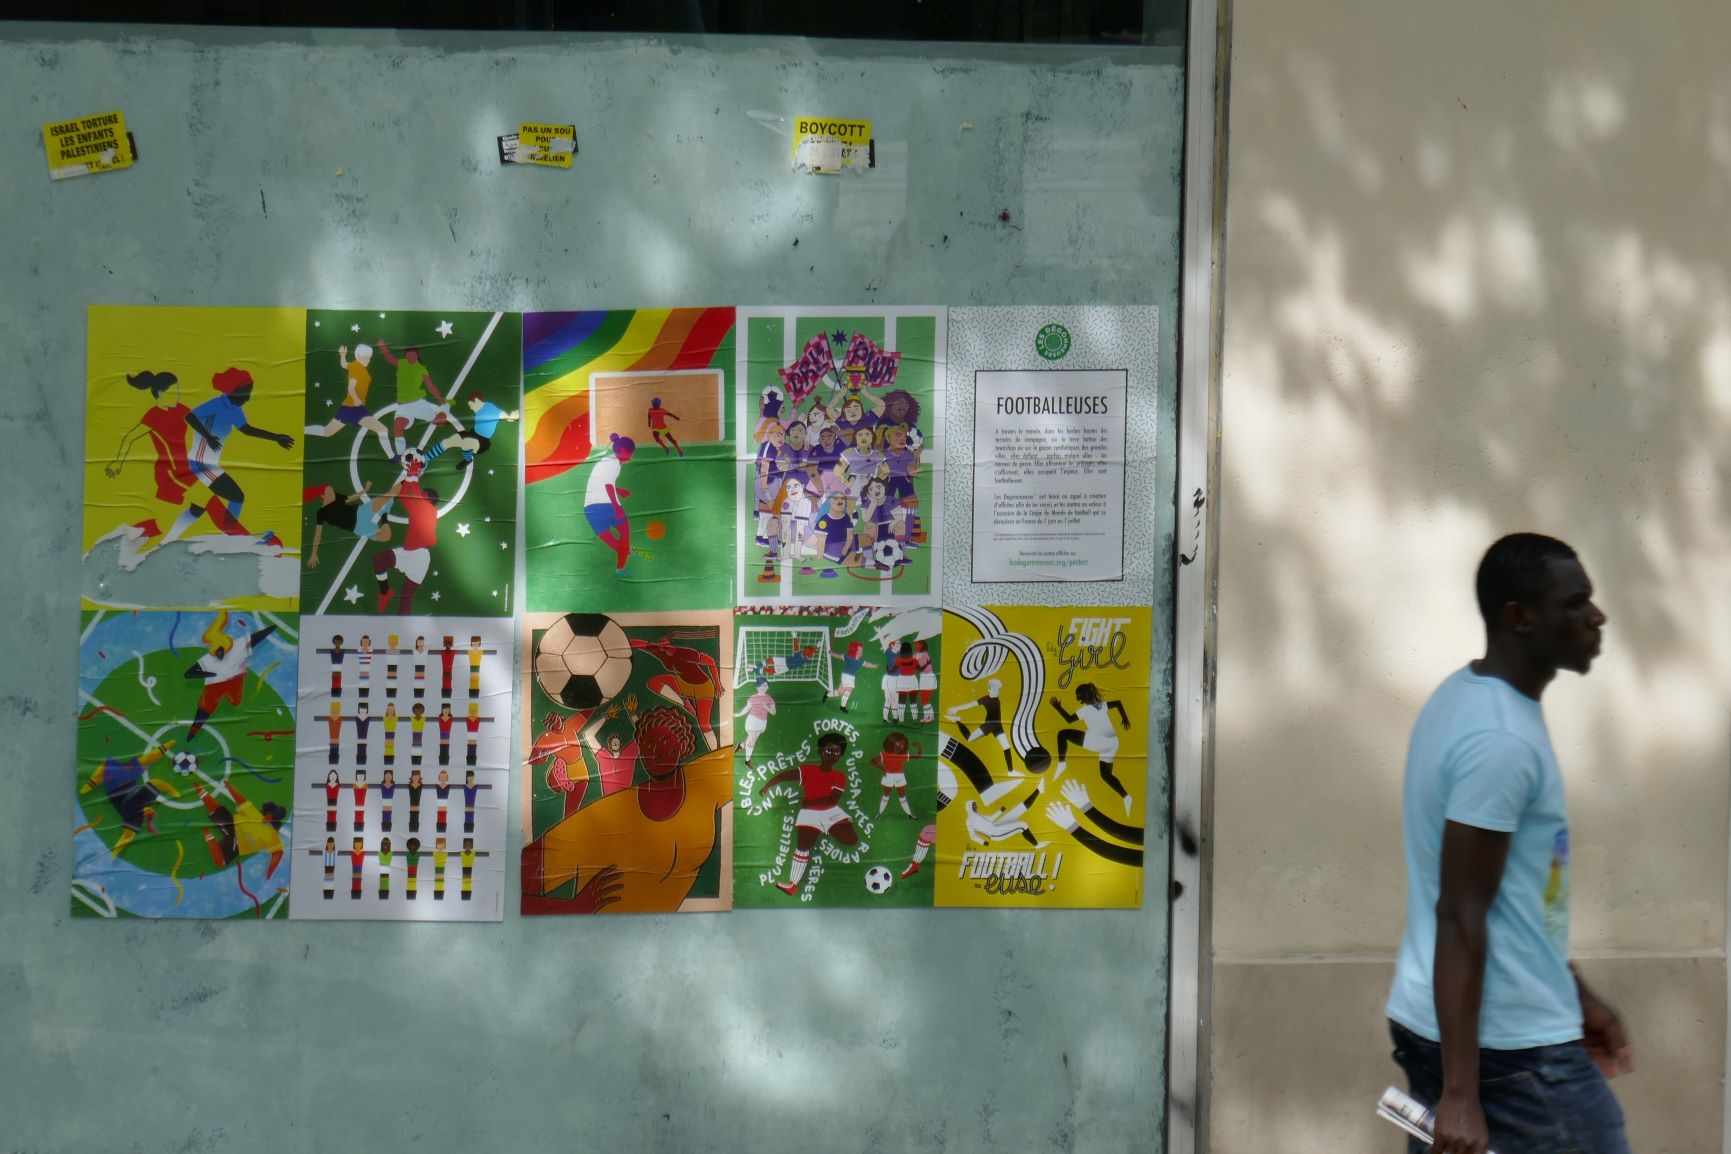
1478	279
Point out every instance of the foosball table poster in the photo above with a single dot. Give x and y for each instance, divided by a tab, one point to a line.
402	768
628	769
836	770
1043	790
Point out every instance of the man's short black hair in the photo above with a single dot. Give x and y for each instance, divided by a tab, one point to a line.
1516	568
832	738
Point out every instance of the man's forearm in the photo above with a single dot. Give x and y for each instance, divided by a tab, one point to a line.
1459	980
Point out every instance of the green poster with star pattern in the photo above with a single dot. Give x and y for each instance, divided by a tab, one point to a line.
409	502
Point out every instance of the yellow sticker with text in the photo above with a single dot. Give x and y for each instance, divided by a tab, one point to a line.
88	144
826	146
552	145
1045	756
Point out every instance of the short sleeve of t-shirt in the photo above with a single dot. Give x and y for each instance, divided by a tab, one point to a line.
1492	779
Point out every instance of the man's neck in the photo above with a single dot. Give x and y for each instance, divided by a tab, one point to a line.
1507	663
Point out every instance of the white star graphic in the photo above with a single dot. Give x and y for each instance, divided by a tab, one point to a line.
444	328
329	402
435	572
462	528
502	545
495	592
435	595
354	328
489	472
316	324
352	594
486	518
381	316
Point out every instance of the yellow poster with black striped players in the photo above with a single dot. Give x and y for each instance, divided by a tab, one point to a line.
1043	783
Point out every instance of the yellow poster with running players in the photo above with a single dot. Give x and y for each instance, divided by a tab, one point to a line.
192	459
1043	783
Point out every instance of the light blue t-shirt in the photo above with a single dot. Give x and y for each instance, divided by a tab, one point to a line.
1481	756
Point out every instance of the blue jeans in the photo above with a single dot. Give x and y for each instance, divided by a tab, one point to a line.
1547	1100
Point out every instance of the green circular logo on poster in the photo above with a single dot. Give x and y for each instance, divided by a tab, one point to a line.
1052	342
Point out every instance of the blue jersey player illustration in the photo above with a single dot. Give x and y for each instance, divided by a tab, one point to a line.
484	424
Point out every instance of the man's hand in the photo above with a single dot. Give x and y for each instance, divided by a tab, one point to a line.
1460	1124
1602	1034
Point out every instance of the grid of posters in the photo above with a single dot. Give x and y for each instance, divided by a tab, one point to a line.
292	518
806	606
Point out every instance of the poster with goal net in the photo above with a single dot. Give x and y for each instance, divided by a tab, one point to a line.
784	653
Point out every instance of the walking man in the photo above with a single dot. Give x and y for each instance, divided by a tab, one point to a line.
1490	1022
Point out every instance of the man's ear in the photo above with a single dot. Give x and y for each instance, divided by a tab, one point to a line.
1516	617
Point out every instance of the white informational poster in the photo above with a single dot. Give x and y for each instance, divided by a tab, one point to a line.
402	768
1049	475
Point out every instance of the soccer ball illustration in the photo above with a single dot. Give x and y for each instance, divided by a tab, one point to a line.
186	764
878	880
887	553
915	438
583	660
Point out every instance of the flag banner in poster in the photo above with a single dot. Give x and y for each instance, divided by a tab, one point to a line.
185	764
1055	411
835	773
629	459
192	456
628	773
402	768
410	493
841	455
1046	772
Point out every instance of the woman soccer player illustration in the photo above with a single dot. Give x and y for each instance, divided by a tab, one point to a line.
875	517
353	409
361	513
1098	737
658	429
859	464
820	812
758	709
164	423
211	424
604	502
893	761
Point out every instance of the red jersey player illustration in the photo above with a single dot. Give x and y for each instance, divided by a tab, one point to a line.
691	679
357	866
445	720
222	668
564	738
893	761
658	417
360	800
472	723
820	811
907	682
333	791
164	423
414	556
447	659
